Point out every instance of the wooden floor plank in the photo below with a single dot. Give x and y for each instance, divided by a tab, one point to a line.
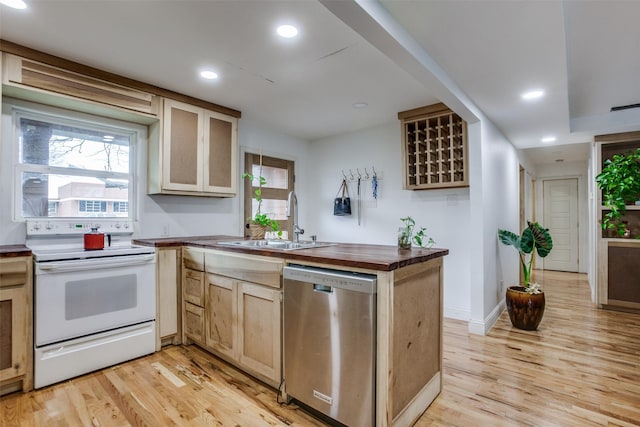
581	368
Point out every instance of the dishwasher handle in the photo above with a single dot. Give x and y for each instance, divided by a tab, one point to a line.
322	288
334	279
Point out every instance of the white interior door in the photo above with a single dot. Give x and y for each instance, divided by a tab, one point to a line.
560	200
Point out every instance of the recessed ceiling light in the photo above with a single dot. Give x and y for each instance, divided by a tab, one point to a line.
287	31
16	4
532	94
548	139
359	105
208	74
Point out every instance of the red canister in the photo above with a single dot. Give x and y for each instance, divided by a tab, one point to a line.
93	240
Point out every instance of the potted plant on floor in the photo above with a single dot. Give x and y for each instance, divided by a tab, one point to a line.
525	303
620	185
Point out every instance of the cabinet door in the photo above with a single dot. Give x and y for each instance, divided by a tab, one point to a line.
182	147
259	330
168	275
220	315
220	153
15	324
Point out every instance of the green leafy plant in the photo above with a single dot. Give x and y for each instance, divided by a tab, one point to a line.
534	237
261	218
620	185
406	236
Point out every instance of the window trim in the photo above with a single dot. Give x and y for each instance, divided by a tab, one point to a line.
137	134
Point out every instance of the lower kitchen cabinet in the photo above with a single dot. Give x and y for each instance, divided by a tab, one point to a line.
16	337
259	329
168	291
221	312
241	321
243	325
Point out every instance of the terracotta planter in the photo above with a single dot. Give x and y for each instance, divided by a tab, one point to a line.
525	309
257	231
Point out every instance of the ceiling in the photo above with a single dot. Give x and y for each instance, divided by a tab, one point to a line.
394	55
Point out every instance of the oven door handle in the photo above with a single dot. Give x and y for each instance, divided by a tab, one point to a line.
96	263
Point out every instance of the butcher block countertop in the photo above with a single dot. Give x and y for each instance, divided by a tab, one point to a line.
373	257
10	251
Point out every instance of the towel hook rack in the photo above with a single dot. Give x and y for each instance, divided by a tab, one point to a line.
359	175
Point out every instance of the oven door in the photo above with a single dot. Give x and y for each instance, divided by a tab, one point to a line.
80	297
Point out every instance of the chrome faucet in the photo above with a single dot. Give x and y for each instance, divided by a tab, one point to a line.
297	231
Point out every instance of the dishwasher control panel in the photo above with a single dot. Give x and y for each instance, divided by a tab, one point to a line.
332	278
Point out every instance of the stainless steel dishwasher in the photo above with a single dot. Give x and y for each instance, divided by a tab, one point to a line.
330	342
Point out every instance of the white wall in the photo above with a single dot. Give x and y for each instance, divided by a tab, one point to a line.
445	213
496	200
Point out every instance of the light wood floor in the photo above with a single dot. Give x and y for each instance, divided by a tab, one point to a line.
581	368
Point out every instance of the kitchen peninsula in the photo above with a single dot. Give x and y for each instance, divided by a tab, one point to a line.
409	308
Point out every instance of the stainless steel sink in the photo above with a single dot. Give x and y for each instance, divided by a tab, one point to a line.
285	245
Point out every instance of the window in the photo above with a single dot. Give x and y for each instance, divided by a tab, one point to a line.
279	174
92	206
73	165
121	207
53	208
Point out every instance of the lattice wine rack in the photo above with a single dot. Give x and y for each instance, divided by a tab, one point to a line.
434	142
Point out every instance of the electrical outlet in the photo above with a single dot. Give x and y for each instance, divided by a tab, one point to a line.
165	230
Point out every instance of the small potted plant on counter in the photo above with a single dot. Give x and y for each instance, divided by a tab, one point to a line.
406	236
620	185
525	303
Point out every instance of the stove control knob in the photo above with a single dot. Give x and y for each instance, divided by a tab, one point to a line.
126	225
118	225
36	226
48	226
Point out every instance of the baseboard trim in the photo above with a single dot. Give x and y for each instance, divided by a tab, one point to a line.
483	327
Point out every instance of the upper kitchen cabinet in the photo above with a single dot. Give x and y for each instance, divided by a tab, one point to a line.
434	148
193	151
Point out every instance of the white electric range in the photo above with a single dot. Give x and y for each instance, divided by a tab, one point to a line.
92	308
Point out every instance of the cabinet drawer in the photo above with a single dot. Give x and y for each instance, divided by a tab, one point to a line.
193	259
193	287
194	322
251	268
27	73
14	271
